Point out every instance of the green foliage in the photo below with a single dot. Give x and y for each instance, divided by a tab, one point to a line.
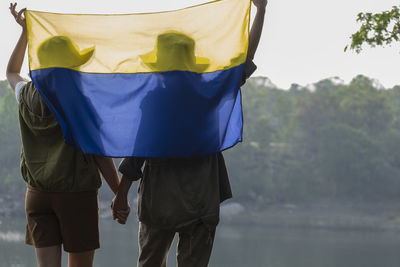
4	88
338	141
10	142
377	29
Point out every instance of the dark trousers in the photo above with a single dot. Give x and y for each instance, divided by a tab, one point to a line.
194	246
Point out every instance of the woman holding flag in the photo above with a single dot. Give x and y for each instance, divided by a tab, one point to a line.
61	199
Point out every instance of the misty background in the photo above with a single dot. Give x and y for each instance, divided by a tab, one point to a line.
316	181
317	176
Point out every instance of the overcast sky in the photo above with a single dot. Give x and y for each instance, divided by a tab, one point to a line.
302	41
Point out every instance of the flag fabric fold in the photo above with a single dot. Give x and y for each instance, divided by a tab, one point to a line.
152	85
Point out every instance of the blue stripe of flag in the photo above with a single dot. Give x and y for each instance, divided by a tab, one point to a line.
171	114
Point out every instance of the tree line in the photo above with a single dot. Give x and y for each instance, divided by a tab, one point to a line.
328	140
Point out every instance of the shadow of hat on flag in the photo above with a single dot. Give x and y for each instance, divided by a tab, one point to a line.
174	51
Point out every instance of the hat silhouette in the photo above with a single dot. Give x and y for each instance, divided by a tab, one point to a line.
174	51
61	51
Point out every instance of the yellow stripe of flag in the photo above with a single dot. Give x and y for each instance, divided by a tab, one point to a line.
204	38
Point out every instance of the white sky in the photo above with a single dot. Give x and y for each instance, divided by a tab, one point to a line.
302	41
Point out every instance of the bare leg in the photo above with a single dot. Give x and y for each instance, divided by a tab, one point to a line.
49	256
82	259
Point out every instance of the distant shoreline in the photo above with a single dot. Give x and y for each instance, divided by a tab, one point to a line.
329	215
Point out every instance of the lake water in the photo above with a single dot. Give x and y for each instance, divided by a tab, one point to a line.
235	246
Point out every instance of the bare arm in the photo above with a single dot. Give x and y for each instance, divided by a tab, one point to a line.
124	186
107	169
256	28
17	57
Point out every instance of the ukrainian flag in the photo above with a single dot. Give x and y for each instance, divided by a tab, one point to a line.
151	85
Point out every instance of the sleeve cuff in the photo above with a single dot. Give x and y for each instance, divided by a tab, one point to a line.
249	69
131	168
18	88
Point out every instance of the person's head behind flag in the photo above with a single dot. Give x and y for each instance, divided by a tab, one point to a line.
61	51
174	51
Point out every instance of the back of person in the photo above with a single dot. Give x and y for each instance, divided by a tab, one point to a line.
61	199
61	202
47	163
181	195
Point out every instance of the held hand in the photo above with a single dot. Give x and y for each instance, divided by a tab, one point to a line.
18	16
260	4
120	208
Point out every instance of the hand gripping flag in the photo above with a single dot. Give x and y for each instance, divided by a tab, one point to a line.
152	85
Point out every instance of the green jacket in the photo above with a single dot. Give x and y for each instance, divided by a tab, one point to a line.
47	162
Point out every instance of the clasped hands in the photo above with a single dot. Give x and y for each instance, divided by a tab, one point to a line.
120	207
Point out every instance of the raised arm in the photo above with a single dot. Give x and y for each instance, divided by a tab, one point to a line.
256	28
17	57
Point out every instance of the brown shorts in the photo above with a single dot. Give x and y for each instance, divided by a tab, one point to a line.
71	219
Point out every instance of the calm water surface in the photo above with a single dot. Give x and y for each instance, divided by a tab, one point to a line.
235	246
